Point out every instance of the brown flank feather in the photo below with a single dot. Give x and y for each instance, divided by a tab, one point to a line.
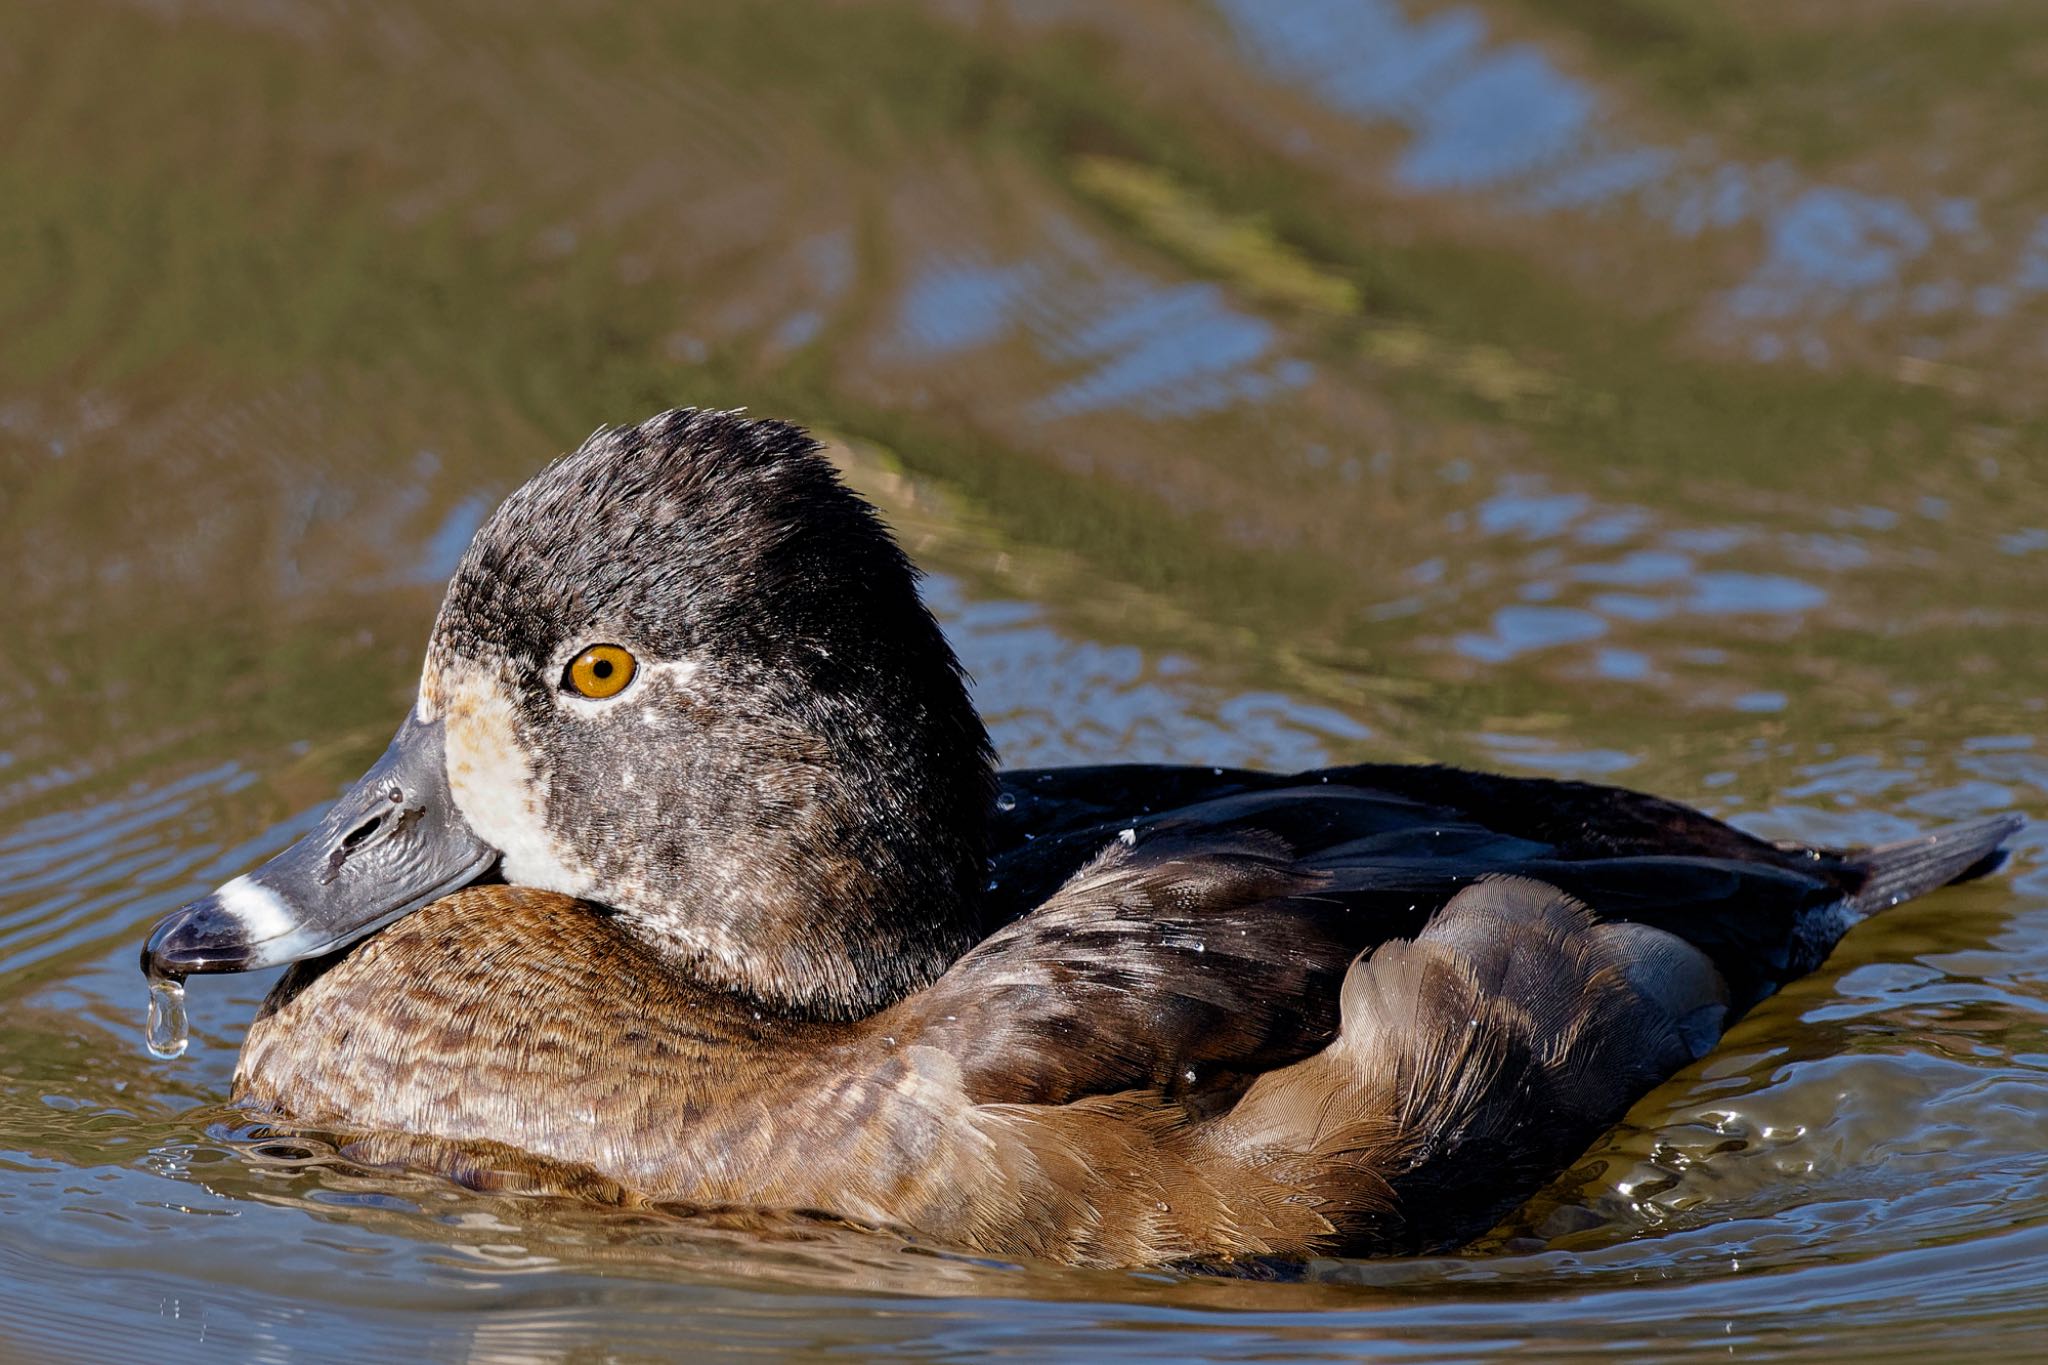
1027	1104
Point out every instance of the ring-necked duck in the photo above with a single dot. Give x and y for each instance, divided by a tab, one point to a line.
765	930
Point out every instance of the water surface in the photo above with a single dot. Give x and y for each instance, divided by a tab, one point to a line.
1639	391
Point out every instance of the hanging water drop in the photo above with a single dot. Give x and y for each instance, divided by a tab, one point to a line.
166	1032
1005	801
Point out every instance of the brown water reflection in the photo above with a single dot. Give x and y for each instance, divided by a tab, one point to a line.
1638	389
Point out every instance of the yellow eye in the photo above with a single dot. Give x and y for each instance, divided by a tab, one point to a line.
600	671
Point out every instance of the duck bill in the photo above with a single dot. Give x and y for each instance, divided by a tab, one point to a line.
393	843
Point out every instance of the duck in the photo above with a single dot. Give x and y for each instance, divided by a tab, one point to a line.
690	881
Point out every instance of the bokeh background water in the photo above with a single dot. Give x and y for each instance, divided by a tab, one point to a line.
1645	390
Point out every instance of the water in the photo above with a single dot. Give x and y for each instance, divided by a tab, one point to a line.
1631	391
166	1032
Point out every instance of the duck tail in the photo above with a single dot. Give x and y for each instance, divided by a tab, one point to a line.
1890	873
1474	1061
1491	1049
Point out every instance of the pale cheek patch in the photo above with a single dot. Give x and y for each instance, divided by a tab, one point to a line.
428	707
497	791
258	909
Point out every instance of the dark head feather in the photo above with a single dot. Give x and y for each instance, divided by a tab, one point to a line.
806	815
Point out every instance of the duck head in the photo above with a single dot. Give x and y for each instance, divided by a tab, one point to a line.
682	674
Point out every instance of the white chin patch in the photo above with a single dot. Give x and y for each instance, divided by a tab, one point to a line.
495	787
256	908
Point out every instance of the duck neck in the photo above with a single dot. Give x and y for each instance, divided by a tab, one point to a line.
839	867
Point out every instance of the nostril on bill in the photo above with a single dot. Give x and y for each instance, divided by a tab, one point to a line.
361	832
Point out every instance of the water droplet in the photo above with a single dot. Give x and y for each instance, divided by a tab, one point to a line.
1005	801
166	1033
1189	1075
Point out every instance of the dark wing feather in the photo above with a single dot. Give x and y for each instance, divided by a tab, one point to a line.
1755	922
1484	1054
1174	965
1764	913
1284	880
